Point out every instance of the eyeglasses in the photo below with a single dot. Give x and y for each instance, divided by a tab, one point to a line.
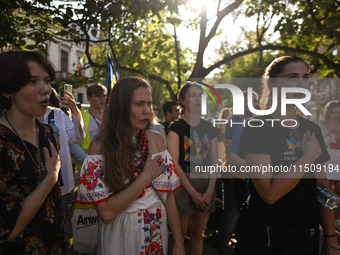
155	109
295	137
101	96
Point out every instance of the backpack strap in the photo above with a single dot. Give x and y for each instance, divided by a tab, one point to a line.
50	116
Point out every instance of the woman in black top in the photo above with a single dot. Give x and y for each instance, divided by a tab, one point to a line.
283	215
192	143
31	219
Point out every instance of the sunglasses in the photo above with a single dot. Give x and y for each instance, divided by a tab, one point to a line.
295	137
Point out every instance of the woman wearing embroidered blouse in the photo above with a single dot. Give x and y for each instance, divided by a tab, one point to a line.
283	216
31	219
130	176
331	133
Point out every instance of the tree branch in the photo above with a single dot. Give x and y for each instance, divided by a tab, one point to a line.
327	61
310	5
151	77
204	40
124	68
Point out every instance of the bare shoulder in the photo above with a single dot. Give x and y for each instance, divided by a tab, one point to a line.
95	147
156	141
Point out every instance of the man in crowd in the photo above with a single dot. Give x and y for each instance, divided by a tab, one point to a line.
171	112
96	95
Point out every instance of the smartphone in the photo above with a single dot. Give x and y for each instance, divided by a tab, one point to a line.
68	88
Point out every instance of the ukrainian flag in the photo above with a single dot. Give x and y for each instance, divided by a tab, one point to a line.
111	77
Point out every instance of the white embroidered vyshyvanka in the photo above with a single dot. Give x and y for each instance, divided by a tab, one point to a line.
141	228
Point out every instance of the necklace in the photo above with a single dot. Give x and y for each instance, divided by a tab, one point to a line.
40	172
142	150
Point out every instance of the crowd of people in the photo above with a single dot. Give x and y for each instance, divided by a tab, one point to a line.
139	174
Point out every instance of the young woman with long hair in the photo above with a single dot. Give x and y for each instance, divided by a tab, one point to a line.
284	215
130	176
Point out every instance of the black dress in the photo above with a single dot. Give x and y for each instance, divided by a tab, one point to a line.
45	233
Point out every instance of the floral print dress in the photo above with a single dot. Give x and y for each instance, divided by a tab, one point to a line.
142	228
45	233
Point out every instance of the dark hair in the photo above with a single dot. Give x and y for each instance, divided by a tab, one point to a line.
167	106
15	72
272	71
182	91
328	107
55	99
116	133
95	89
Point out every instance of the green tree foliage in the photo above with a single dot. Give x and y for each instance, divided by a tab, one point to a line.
307	28
25	19
152	56
310	28
134	33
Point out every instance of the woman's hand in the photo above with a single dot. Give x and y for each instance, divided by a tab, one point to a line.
152	168
310	146
68	101
200	201
52	163
207	198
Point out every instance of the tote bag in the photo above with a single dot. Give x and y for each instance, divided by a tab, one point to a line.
85	230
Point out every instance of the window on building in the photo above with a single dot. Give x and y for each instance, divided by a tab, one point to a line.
64	61
80	98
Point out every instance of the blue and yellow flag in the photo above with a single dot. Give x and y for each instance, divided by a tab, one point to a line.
111	77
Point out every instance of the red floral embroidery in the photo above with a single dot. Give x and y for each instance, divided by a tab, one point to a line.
147	217
88	179
158	214
92	167
153	227
153	239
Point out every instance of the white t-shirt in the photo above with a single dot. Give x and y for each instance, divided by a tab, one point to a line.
69	133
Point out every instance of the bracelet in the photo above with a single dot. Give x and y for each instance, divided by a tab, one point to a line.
333	248
330	235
